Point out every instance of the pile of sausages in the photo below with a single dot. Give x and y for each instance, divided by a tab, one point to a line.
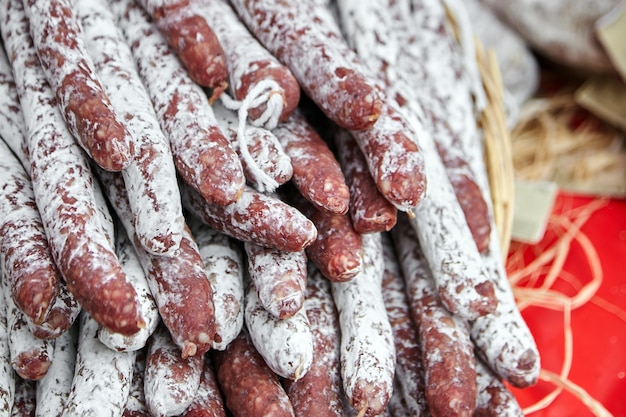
248	208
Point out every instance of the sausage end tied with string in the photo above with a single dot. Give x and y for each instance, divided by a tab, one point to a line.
266	92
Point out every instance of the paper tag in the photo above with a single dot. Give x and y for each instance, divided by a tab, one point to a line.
604	96
533	204
611	32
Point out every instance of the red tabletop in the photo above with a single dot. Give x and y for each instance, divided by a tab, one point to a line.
598	326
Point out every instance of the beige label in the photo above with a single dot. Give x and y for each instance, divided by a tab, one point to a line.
533	205
611	31
605	96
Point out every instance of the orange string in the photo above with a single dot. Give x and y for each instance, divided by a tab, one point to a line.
533	285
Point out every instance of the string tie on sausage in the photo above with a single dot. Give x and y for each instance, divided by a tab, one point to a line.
268	92
265	91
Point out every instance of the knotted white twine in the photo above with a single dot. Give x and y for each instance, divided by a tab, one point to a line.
268	92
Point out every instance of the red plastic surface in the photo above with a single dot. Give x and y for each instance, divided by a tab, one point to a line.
599	335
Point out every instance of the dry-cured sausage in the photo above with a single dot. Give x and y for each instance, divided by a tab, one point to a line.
30	356
25	401
250	387
224	266
318	58
102	376
367	358
87	110
202	154
172	278
63	186
31	271
52	391
256	217
370	211
337	251
279	278
208	401
7	375
193	40
318	393
286	344
409	375
494	398
149	311
136	401
249	63
265	163
150	176
447	350
170	381
316	172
